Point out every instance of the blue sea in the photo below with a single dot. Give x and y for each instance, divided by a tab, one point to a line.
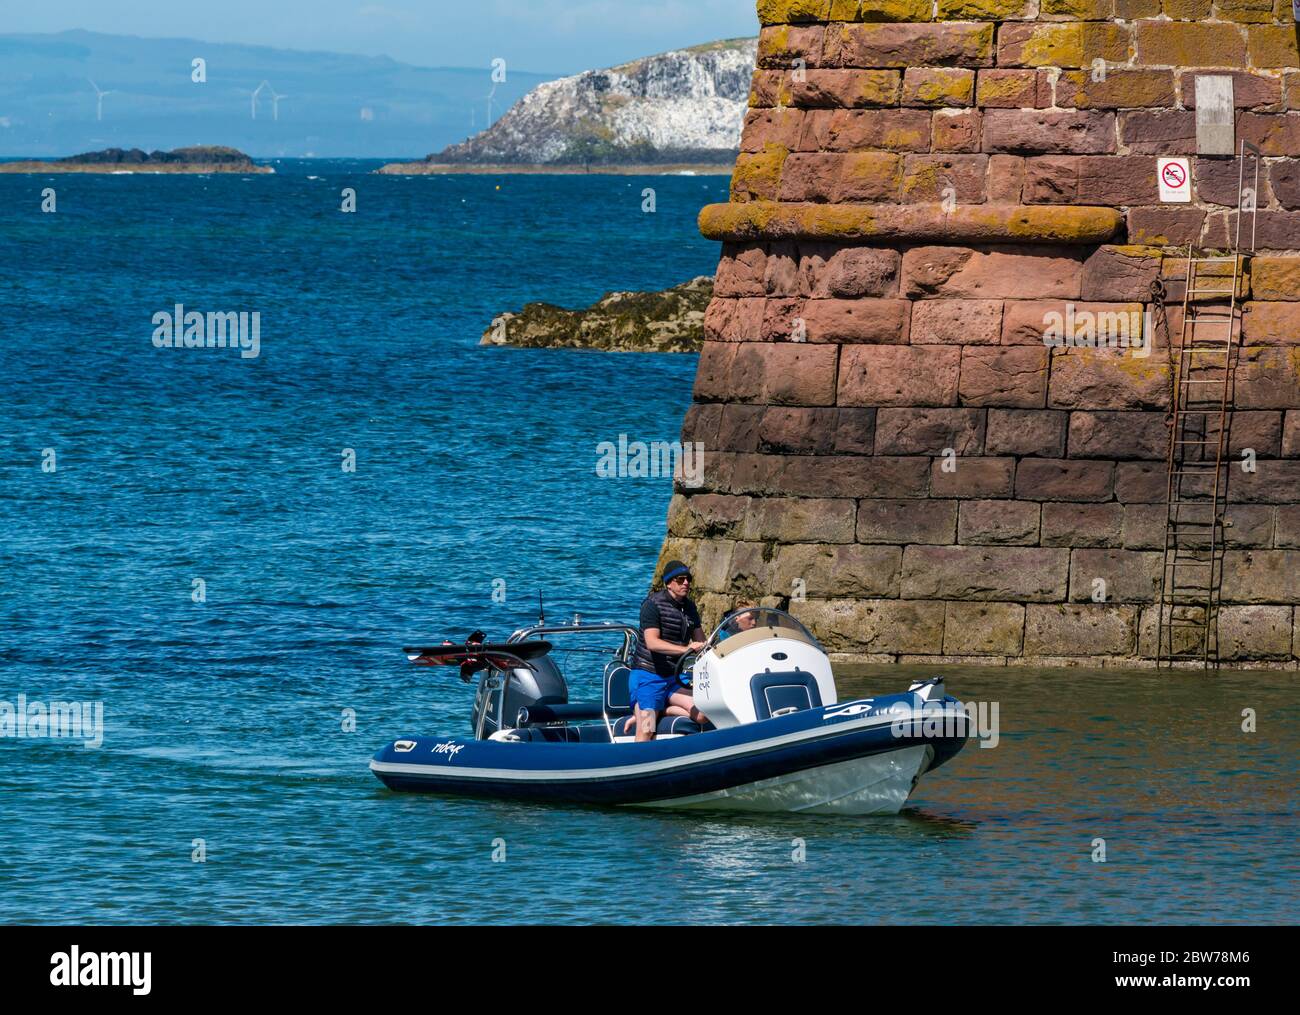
181	541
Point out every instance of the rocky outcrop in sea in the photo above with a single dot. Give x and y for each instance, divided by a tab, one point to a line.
667	321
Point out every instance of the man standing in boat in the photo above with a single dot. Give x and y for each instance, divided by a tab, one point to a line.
670	627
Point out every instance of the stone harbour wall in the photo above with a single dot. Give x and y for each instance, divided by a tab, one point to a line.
893	449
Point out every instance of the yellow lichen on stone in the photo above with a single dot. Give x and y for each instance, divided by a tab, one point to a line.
924	222
757	176
1250	11
942	86
783	12
1053	45
1274	45
893	10
984	10
1083	10
876	87
993	91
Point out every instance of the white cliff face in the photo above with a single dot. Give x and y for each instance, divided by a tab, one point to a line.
689	103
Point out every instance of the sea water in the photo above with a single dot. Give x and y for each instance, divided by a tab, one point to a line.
225	554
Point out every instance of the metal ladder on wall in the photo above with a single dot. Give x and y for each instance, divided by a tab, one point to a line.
1197	461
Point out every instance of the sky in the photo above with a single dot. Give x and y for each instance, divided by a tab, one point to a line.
547	36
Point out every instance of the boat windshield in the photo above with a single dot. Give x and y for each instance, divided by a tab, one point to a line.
758	622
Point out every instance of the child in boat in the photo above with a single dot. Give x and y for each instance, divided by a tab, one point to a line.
744	617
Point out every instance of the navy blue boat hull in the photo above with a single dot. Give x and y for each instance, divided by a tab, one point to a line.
859	757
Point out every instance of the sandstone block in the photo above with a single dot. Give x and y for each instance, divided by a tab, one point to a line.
1144	526
993	274
983	628
781	45
1004	376
795	431
1158	131
738	427
956	322
1064	480
1119	435
1255	632
997	522
938	86
857	320
1270	323
874	626
1191	44
995	573
1119	89
1284	181
901	521
1261	576
1021	131
1165	227
940	177
855	431
1268	378
1141	483
929	431
865	572
1006	179
972	477
1080	630
1071	44
1291	434
1007	88
1120	576
909	45
1088	525
853	272
1286	534
883	375
1025	432
707	516
1272	46
1097	379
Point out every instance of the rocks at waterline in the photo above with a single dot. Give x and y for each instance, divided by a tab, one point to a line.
667	321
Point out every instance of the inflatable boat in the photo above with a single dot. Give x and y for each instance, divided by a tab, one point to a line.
777	739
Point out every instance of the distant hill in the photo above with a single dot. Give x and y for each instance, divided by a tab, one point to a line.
684	106
332	104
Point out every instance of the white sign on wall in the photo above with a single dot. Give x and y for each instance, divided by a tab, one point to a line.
1175	178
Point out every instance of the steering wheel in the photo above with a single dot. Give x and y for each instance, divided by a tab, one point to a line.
685	663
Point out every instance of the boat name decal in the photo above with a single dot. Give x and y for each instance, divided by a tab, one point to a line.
851	709
450	748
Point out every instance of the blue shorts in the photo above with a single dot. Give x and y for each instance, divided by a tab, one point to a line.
650	691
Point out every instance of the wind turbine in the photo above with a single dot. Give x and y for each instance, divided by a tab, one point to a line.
275	102
252	98
489	103
99	100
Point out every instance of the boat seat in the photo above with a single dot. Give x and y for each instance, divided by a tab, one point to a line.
597	733
668	724
575	711
618	692
782	693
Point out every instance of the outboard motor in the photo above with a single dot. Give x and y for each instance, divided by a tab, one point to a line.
543	684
